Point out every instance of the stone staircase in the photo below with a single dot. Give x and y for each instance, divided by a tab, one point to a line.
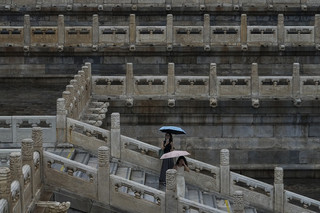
130	172
95	113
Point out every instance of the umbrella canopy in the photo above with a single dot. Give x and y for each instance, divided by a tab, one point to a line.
172	130
174	154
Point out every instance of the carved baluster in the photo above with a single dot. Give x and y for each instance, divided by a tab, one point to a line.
104	174
238	206
171	191
61	122
27	158
278	190
5	185
61	31
115	136
224	172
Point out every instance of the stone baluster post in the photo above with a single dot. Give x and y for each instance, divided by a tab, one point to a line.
224	172
238	206
171	196
83	87
70	88
115	136
132	32
80	93
206	32
27	32
76	96
61	31
243	30
95	32
16	174
66	97
281	32
171	79
213	85
5	186
278	190
104	174
87	70
317	31
169	32
296	84
129	80
255	85
61	123
38	147
27	158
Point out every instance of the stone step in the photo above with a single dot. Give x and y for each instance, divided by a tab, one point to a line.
93	162
138	176
209	199
124	172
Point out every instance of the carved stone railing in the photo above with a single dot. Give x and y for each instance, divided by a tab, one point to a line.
15	128
87	136
4	206
296	203
138	196
296	88
162	5
67	180
189	205
256	192
170	36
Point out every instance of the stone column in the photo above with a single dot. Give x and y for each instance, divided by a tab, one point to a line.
169	32
76	95
280	29
38	147
132	32
278	190
87	73
27	158
206	32
224	172
238	206
104	174
5	186
129	80
296	84
171	79
80	94
27	32
16	174
115	136
243	30
95	32
255	85
317	29
61	31
61	121
213	85
171	191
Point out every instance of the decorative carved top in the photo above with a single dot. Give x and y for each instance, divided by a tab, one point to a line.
278	175
37	137
5	179
115	121
61	105
54	206
171	175
103	156
224	157
27	149
15	165
238	204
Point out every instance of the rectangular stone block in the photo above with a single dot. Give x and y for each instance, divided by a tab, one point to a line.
22	70
314	130
290	131
241	131
263	131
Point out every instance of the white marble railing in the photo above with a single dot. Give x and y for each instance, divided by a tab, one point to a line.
15	190
295	203
113	85
151	200
186	205
170	35
15	128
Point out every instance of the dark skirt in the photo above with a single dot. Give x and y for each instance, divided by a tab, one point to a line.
166	164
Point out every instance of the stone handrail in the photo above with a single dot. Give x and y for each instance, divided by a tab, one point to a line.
15	190
212	87
189	205
15	128
4	206
153	199
53	176
87	136
256	192
26	171
162	5
296	203
171	36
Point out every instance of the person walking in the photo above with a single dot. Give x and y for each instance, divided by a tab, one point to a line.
167	146
181	166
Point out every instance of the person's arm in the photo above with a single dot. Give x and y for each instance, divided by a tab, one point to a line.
186	168
171	147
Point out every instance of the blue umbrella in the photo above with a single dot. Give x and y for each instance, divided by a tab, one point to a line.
172	130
